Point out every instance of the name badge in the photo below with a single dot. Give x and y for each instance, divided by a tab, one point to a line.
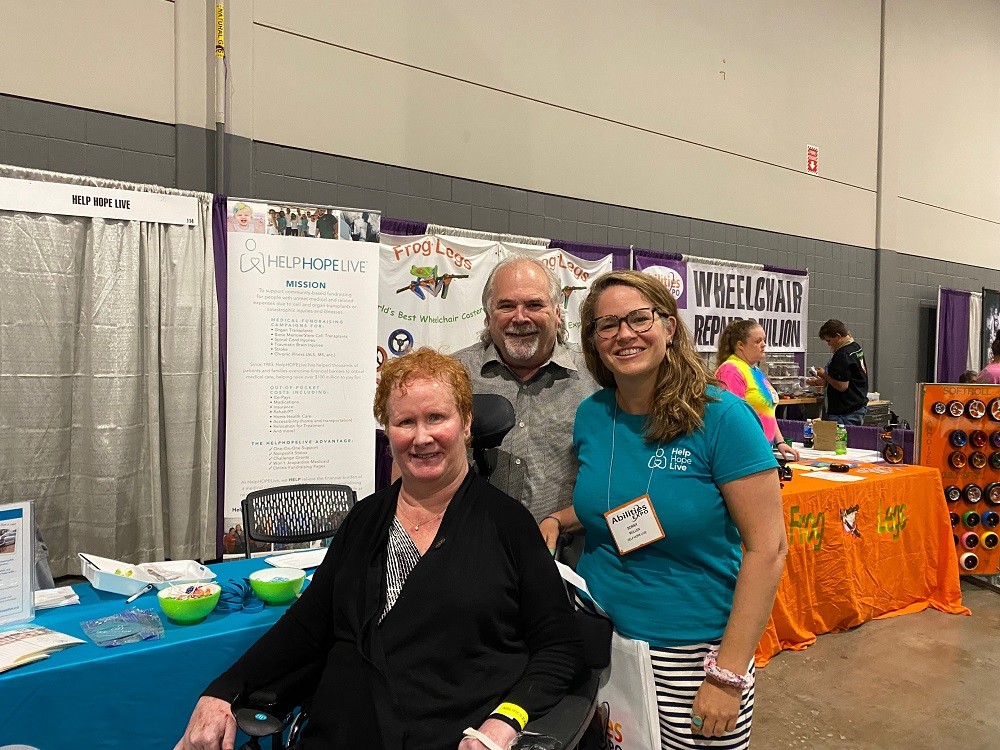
634	525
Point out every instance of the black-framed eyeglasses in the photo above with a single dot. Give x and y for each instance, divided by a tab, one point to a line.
639	320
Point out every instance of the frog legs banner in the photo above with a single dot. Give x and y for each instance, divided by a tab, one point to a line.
430	289
575	275
430	293
709	294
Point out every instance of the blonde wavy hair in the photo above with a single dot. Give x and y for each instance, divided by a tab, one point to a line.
400	372
680	394
737	331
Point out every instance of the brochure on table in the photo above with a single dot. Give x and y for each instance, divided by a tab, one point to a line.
17	559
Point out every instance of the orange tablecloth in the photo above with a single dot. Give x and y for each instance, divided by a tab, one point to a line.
900	560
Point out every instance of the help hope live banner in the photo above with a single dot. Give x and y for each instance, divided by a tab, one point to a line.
430	290
300	372
711	294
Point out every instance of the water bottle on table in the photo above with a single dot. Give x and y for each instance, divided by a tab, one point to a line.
807	434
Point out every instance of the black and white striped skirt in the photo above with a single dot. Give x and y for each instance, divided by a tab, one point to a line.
678	673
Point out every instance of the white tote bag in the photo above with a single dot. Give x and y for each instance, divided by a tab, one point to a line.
626	695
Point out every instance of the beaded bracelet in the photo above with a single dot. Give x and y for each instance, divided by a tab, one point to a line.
742	681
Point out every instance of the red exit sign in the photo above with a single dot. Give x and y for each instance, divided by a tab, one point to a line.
812	159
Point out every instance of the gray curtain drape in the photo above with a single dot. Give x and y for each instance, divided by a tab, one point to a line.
108	381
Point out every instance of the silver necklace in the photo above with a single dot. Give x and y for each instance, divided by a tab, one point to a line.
416	526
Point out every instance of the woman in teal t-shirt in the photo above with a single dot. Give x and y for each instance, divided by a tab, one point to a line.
676	477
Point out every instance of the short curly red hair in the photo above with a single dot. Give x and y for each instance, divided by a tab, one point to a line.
423	363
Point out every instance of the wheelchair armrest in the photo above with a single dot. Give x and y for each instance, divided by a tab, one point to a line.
570	717
267	710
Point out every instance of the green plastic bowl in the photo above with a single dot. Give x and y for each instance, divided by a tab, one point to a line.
188	603
277	585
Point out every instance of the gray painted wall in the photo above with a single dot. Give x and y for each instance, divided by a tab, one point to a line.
844	279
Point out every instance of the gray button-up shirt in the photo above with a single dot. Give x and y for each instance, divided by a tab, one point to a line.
535	463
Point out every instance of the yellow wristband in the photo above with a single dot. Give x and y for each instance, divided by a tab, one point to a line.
514	712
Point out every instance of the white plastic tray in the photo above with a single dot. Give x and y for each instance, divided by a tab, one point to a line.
304	559
100	571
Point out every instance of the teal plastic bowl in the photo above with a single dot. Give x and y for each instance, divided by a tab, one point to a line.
277	585
188	603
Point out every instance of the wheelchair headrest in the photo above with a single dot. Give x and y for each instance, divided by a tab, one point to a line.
492	419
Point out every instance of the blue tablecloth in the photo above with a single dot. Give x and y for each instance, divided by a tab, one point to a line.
134	696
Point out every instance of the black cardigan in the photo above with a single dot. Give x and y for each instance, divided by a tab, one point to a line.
482	619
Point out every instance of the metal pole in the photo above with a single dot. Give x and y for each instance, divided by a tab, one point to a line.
220	97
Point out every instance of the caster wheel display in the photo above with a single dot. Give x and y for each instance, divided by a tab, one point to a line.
970	519
975	408
993	409
939	408
973	493
958	438
977	460
990	519
992	493
990	540
952	493
970	540
957	460
956	408
968	561
978	439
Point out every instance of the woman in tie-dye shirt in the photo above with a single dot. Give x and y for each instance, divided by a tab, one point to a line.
741	349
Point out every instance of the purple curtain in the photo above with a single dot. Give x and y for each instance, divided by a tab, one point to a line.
220	248
620	255
402	227
791	271
952	335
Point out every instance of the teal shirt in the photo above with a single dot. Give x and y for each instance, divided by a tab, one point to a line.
678	591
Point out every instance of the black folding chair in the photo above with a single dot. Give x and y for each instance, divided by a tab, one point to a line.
296	513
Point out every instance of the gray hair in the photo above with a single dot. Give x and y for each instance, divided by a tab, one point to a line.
555	295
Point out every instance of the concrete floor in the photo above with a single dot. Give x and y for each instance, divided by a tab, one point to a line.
924	681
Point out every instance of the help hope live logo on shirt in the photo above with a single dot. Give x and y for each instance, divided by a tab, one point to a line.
680	459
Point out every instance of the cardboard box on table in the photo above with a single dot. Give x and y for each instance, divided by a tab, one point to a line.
824	435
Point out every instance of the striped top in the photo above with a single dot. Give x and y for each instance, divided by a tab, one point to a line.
749	383
402	557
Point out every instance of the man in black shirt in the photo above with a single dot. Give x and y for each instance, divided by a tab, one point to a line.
845	375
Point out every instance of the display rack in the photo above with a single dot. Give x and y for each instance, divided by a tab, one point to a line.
958	429
785	374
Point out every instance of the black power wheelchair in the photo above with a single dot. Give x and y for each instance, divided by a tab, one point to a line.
281	709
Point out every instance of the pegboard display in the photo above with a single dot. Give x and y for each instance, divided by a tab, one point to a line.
958	429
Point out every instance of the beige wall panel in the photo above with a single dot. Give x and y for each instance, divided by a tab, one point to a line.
795	73
113	55
942	145
931	232
385	112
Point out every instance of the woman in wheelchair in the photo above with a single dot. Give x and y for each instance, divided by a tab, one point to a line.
438	612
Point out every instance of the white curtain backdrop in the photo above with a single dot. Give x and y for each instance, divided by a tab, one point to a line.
975	326
108	380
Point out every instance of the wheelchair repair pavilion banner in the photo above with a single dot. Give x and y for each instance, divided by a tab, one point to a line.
431	289
303	284
711	293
